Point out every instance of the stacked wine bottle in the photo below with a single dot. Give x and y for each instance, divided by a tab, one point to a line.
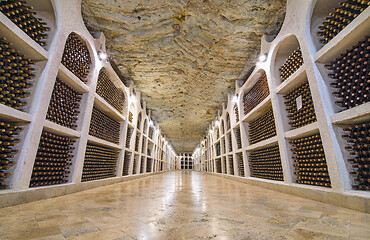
137	140
142	165
236	111
149	165
358	139
218	165
128	136
53	159
266	163
9	137
350	74
15	76
223	145
218	149
224	164
64	105
100	162
231	164
104	127
107	90
256	94
262	127
299	106
130	117
238	137
126	164
76	57
291	65
309	161
239	156
230	142
337	20
24	17
134	167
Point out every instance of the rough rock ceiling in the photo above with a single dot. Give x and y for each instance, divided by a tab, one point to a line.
184	56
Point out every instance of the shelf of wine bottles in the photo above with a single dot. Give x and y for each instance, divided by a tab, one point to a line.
224	165
350	74
22	15
358	146
134	168
236	111
104	127
218	165
218	149
100	162
151	131
230	142
291	65
15	76
339	18
149	164
139	121
64	105
266	164
239	156
137	140
128	136
217	134
130	117
309	161
262	127
107	90
53	160
299	106
9	137
142	165
223	143
256	94
126	164
238	137
76	57
231	165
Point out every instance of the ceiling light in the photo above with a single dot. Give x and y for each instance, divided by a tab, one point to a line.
262	57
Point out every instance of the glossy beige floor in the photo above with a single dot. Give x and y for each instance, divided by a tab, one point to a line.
181	205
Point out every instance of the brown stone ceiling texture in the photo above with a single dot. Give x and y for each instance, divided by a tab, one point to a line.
184	56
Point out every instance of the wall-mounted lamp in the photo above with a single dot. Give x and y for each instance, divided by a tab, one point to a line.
133	99
103	56
217	123
210	131
262	57
235	99
150	123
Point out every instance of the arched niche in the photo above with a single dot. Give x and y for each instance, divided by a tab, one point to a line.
45	10
145	126
228	123
82	66
222	127
285	48
139	119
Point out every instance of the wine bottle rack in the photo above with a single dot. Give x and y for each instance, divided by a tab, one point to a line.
218	165
139	121
100	162
256	94
238	137
231	165
266	163
149	165
217	134
16	76
142	165
358	142
236	111
126	164
53	159
109	92
309	161
338	19
224	164
223	144
291	65
262	127
350	74
22	15
299	106
134	168
76	57
137	140
104	127
239	157
230	143
128	136
218	149
9	138
64	105
130	117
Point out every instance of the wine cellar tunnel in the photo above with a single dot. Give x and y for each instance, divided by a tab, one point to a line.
140	119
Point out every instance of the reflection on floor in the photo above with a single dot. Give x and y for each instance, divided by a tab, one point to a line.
181	205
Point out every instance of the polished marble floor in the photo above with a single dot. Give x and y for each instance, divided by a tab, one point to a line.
181	205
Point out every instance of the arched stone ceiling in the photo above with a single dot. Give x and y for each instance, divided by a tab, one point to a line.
184	56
